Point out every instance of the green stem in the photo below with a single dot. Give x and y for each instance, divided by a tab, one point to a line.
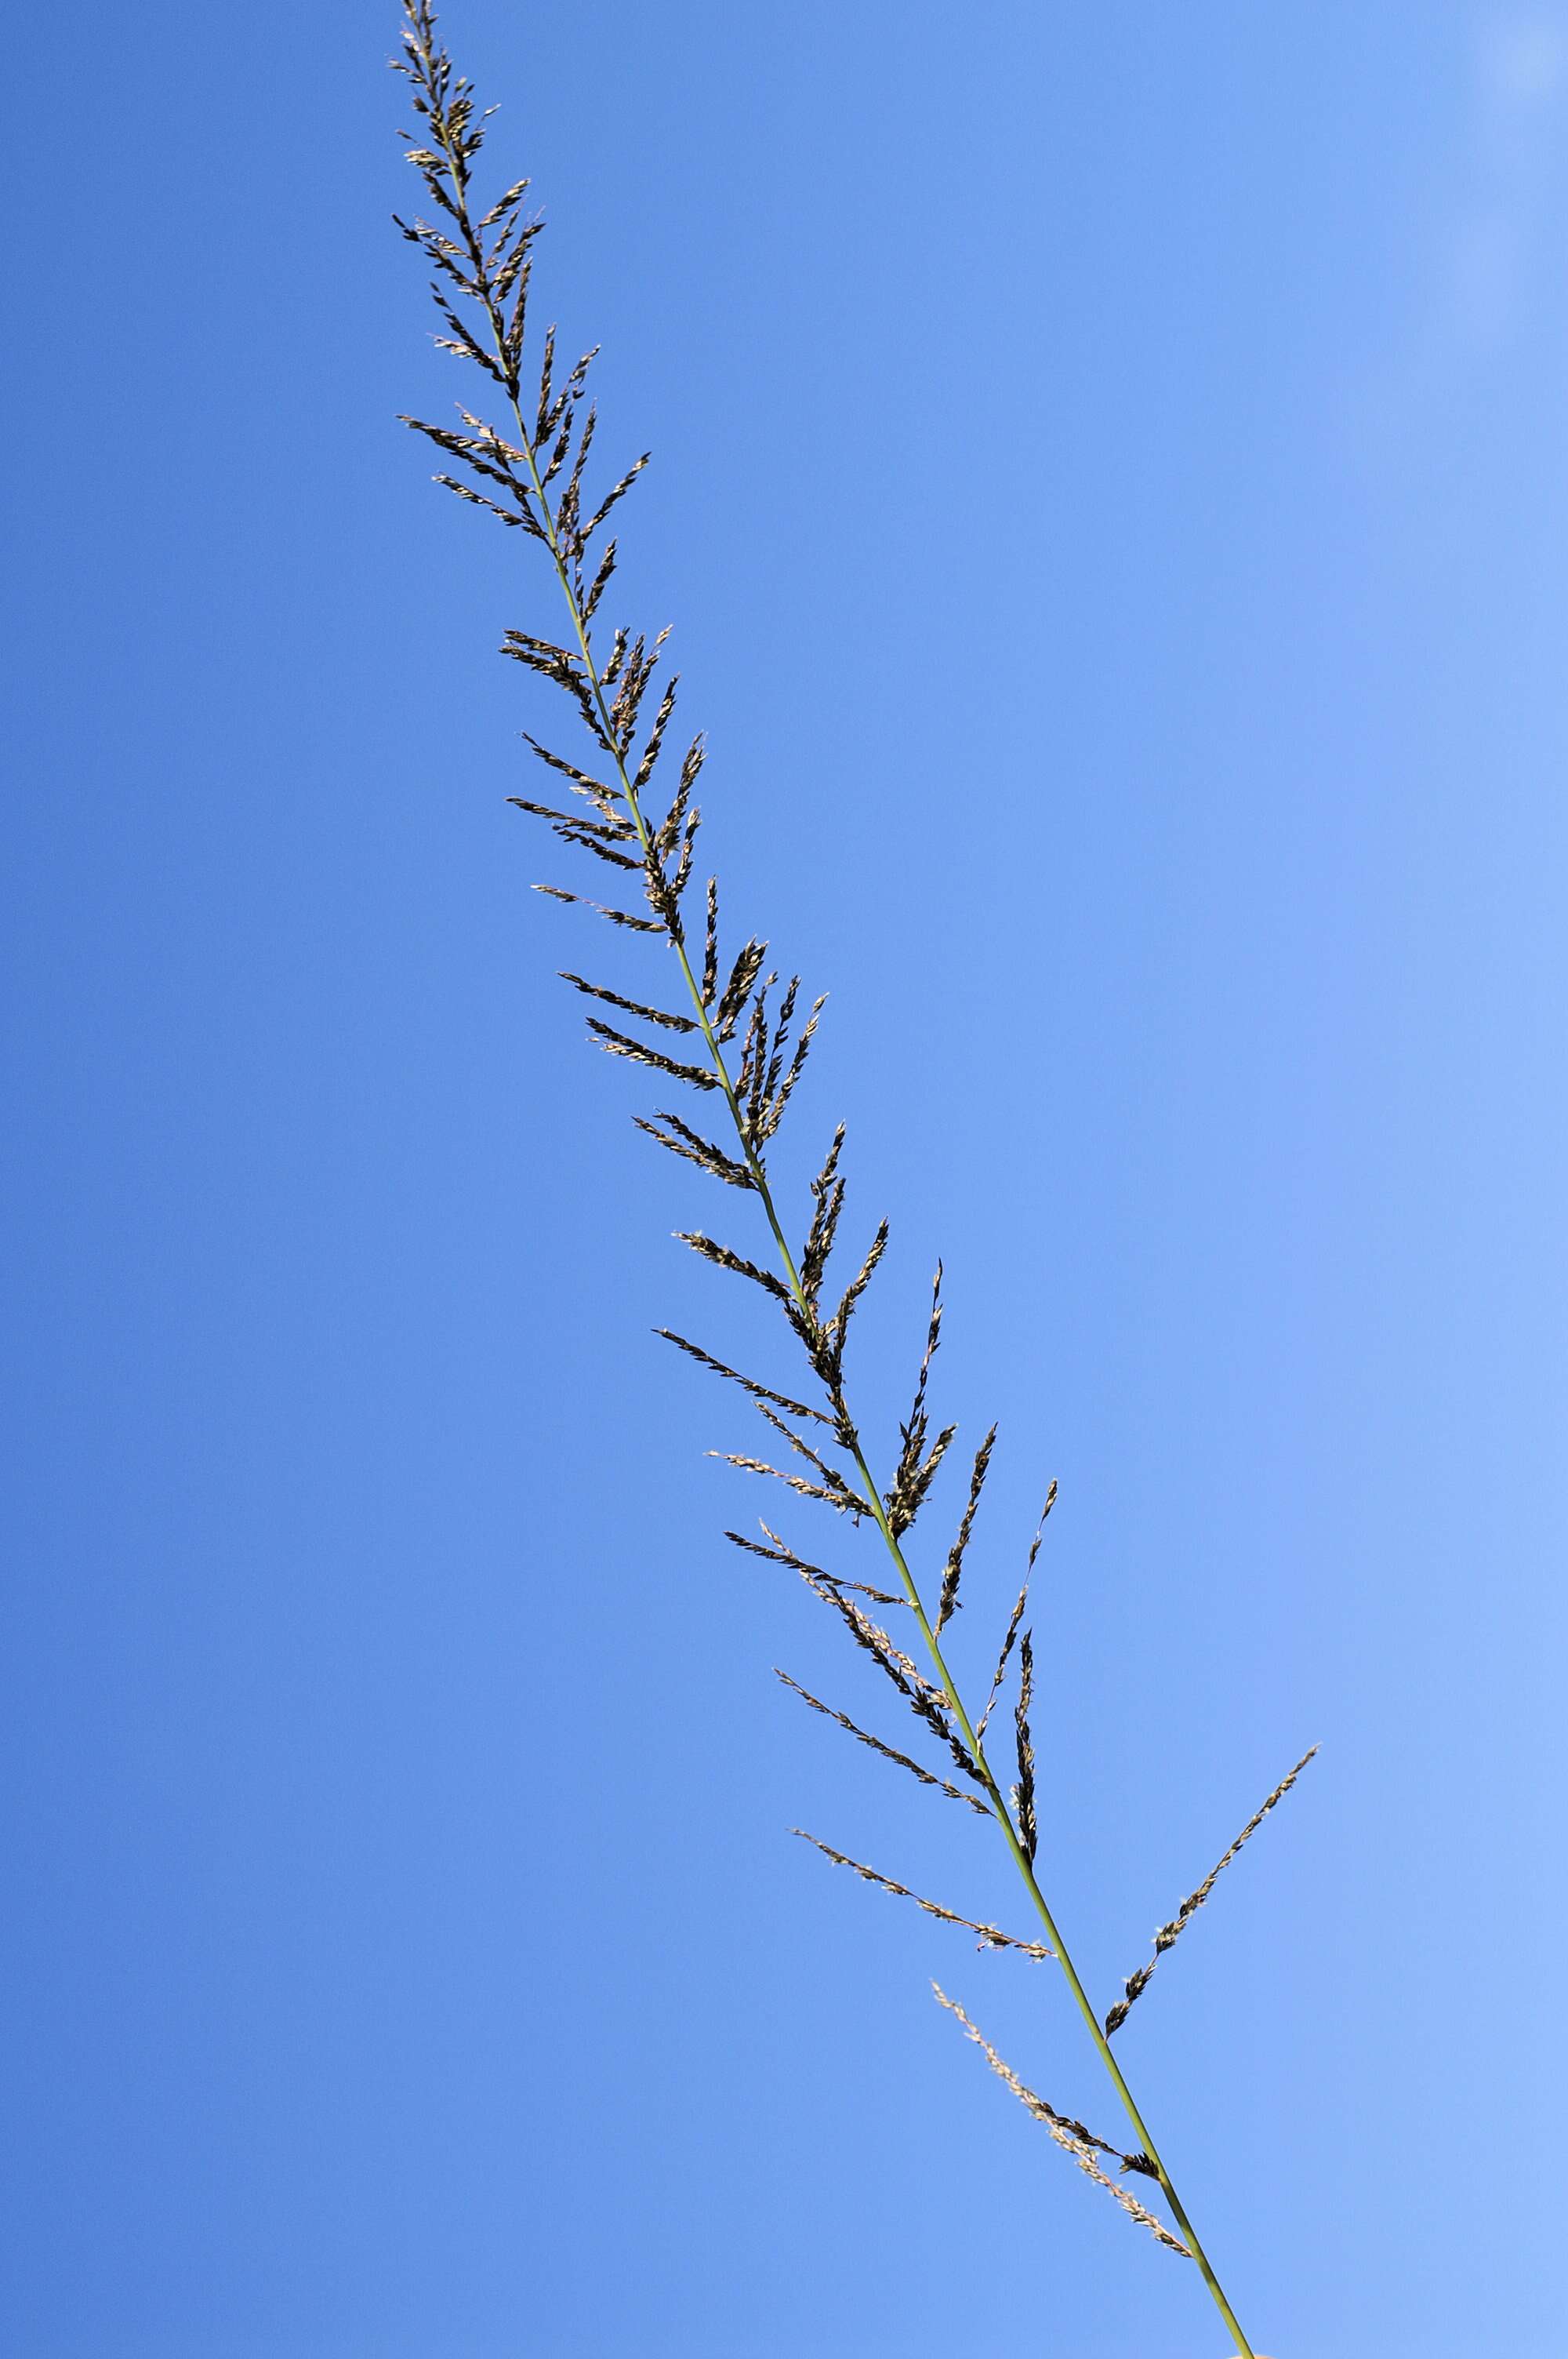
873	1497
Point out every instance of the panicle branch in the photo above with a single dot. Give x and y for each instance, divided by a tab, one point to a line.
1168	1934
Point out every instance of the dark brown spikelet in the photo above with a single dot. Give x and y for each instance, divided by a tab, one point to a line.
952	1571
828	1191
1166	1937
692	1148
887	1752
837	1482
748	1384
916	1463
710	947
765	1082
620	1044
1023	1792
916	1422
588	835
738	990
629	1006
828	1351
781	1091
607	801
576	828
779	1553
925	1701
724	1257
615	916
991	1936
842	1499
1070	2134
1010	1633
907	1495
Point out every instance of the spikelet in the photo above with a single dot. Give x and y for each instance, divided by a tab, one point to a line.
827	1188
680	1138
621	1044
831	1475
629	1006
779	1553
841	1498
833	1489
748	1384
953	1569
1023	1792
1010	1633
917	1461
991	1936
927	1702
725	1257
829	1349
613	916
887	1752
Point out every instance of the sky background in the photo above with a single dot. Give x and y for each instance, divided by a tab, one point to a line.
1112	491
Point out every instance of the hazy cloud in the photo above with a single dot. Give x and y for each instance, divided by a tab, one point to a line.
1521	83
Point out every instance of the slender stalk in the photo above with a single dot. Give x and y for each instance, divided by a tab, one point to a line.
872	1496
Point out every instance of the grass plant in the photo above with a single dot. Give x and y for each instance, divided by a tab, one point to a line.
738	1039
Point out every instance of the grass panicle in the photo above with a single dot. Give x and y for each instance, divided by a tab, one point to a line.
623	800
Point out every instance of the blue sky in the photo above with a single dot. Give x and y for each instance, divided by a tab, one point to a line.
1110	489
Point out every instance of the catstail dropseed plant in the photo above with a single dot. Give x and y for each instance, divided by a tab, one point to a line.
738	1040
